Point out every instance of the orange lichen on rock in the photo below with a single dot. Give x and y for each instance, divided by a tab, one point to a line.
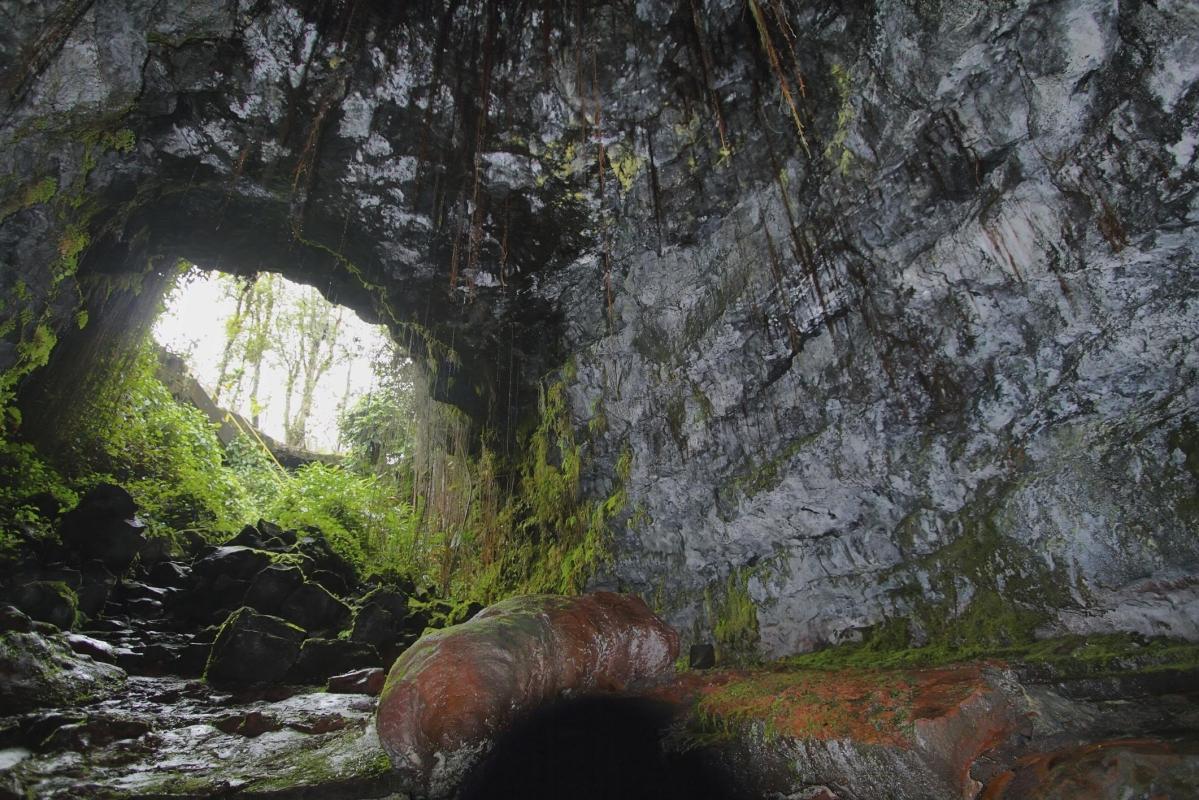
867	706
452	691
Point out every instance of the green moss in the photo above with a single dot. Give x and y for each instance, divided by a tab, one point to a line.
1062	657
734	618
837	151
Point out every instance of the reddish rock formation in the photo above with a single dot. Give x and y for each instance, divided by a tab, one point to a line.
449	694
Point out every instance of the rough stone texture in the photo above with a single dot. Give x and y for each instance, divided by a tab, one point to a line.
450	693
41	670
253	648
934	353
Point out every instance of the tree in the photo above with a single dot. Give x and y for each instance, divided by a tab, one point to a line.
306	333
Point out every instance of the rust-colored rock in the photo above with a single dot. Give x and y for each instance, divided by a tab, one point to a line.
449	694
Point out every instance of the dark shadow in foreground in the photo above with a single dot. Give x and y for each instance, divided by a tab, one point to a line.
607	747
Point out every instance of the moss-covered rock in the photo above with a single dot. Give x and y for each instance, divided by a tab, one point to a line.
253	648
38	671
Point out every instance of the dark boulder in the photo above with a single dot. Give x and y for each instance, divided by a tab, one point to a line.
238	562
325	559
104	526
702	656
253	648
314	609
272	586
321	659
13	619
170	574
381	618
97	587
49	601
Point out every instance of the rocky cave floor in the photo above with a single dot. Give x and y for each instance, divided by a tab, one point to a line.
251	669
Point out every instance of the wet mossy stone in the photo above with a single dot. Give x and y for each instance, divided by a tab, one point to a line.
321	659
272	586
253	648
312	607
48	601
38	671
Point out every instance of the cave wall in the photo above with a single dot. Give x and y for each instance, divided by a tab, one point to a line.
890	306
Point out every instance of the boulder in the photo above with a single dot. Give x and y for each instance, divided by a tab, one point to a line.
312	607
381	618
272	586
87	646
253	648
13	619
170	574
325	559
320	659
360	681
48	601
38	671
104	526
451	693
97	586
237	562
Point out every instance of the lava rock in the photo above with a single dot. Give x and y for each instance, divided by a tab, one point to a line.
272	586
253	648
702	656
104	526
97	587
324	558
170	574
455	689
13	619
239	563
321	659
48	601
87	646
314	609
360	681
38	671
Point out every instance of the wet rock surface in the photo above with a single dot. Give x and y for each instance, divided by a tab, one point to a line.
172	737
981	730
449	695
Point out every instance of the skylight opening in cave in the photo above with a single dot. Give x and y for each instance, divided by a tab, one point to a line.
258	346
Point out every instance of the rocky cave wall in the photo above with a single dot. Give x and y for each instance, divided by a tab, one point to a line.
890	306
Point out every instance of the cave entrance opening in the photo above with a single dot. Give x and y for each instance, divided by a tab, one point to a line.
603	748
282	358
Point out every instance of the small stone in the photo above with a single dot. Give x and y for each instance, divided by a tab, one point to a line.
87	646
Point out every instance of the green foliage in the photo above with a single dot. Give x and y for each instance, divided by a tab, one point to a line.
1062	657
165	453
23	474
735	618
361	518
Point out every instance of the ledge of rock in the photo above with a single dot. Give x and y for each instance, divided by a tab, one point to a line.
448	695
